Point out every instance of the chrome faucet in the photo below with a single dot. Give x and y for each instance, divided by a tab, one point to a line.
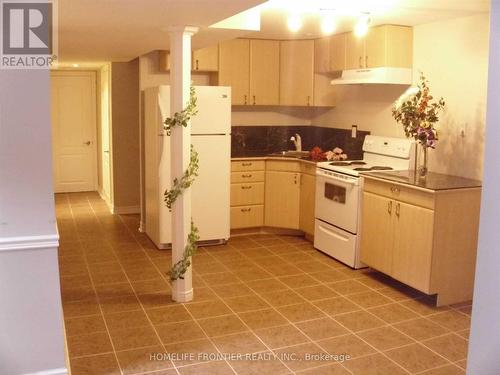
297	141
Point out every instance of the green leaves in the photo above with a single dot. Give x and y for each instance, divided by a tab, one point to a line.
187	179
179	269
183	117
180	185
418	114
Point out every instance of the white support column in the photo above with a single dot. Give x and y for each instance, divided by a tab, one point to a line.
180	83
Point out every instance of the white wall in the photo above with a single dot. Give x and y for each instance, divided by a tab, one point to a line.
31	328
453	54
484	347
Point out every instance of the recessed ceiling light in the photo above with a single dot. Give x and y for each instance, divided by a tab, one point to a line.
361	27
76	65
294	22
328	24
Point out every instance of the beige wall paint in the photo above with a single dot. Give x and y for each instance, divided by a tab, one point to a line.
125	134
454	56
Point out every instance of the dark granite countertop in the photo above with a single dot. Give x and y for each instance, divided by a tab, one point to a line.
433	181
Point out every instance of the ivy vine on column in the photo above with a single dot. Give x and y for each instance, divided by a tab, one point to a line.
180	185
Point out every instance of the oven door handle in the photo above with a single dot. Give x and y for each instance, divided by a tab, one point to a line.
333	178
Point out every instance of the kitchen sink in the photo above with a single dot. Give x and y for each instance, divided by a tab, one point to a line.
293	154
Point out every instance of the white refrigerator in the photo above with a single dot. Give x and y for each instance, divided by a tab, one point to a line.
211	137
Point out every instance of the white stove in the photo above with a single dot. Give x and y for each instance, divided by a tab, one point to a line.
339	195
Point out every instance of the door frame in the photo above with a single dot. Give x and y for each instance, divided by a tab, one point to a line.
91	74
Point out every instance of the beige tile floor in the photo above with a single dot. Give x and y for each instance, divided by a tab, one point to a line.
275	299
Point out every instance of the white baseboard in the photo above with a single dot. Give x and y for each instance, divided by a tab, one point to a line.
125	210
29	242
54	371
106	199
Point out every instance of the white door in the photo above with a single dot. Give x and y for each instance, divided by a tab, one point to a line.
74	131
105	148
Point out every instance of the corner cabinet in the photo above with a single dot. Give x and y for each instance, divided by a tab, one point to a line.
424	238
296	72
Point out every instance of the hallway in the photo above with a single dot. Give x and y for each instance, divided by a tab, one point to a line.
266	294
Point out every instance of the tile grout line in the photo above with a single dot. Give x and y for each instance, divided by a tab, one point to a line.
93	287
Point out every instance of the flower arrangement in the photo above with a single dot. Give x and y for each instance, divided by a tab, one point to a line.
418	113
317	154
336	154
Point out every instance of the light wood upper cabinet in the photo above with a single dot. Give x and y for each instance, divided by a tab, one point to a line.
264	72
322	55
164	61
282	199
337	52
354	51
296	72
329	53
386	45
206	59
234	69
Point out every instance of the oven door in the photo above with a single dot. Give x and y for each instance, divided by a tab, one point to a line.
337	200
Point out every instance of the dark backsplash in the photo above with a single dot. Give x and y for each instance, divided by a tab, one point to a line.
248	141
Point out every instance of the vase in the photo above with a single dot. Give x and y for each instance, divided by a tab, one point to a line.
422	167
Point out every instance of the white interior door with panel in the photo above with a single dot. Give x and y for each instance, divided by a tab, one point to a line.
73	110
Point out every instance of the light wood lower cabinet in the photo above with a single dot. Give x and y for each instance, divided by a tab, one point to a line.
307	201
273	193
425	239
282	203
247	193
247	216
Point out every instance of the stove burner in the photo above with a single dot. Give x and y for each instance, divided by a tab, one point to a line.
374	168
380	168
346	163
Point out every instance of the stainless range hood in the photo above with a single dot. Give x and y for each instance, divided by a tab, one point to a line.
384	76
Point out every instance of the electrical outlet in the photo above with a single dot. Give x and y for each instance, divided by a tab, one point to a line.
354	131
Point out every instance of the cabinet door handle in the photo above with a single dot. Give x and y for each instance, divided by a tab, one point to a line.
197	65
394	190
389	207
308	100
366	61
398	209
246	175
360	63
246	164
245	98
246	187
254	100
246	209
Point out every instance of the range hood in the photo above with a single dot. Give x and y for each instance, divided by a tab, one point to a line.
384	76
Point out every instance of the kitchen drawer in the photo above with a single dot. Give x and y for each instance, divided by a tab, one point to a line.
248	176
308	168
283	165
247	216
246	194
247	165
400	192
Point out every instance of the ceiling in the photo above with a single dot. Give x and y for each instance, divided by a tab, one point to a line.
120	30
